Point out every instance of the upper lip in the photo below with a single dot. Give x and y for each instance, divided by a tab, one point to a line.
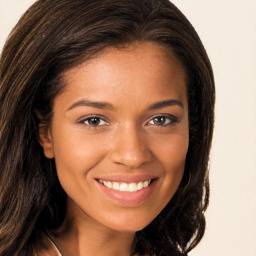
126	178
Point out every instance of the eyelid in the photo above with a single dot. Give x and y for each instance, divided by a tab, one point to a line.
85	118
173	119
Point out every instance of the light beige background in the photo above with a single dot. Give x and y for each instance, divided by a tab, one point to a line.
228	31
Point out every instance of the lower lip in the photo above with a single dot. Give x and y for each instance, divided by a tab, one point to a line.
129	198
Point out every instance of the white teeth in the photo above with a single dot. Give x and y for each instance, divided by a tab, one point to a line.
133	187
140	185
146	183
115	185
109	184
129	187
123	187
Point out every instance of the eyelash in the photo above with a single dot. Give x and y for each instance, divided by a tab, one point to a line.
93	126
170	119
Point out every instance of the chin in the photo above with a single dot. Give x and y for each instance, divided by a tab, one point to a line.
129	223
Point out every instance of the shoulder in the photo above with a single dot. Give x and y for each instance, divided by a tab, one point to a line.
45	247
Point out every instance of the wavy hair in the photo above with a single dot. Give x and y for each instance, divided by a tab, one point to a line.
50	38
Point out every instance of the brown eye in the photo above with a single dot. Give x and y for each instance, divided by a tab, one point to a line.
167	120
95	121
160	120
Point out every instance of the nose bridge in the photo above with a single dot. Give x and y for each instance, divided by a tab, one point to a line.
130	147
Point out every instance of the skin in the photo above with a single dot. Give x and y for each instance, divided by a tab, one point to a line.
126	141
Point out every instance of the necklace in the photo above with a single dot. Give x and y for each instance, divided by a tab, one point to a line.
56	249
53	244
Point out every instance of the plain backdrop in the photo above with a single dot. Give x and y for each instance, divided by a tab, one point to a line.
228	31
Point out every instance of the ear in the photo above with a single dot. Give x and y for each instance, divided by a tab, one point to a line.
46	141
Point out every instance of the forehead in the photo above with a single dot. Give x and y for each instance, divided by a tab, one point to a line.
148	52
138	71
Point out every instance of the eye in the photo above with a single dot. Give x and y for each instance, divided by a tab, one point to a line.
94	121
163	120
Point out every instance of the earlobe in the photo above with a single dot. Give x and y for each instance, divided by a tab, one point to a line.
45	140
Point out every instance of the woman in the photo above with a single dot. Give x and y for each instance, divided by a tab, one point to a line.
107	111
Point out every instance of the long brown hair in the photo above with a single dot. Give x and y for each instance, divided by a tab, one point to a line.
53	36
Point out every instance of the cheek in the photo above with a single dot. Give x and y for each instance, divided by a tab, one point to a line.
171	151
75	158
76	154
172	157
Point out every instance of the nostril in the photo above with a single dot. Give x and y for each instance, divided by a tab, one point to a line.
132	162
129	147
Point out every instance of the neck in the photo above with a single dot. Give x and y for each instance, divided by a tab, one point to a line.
85	236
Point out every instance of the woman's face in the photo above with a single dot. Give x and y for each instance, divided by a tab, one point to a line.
119	135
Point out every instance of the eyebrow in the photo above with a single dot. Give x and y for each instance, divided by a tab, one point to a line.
94	104
166	103
108	106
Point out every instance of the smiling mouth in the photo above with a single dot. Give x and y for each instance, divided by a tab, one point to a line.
126	187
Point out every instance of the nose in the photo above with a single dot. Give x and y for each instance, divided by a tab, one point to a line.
129	148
